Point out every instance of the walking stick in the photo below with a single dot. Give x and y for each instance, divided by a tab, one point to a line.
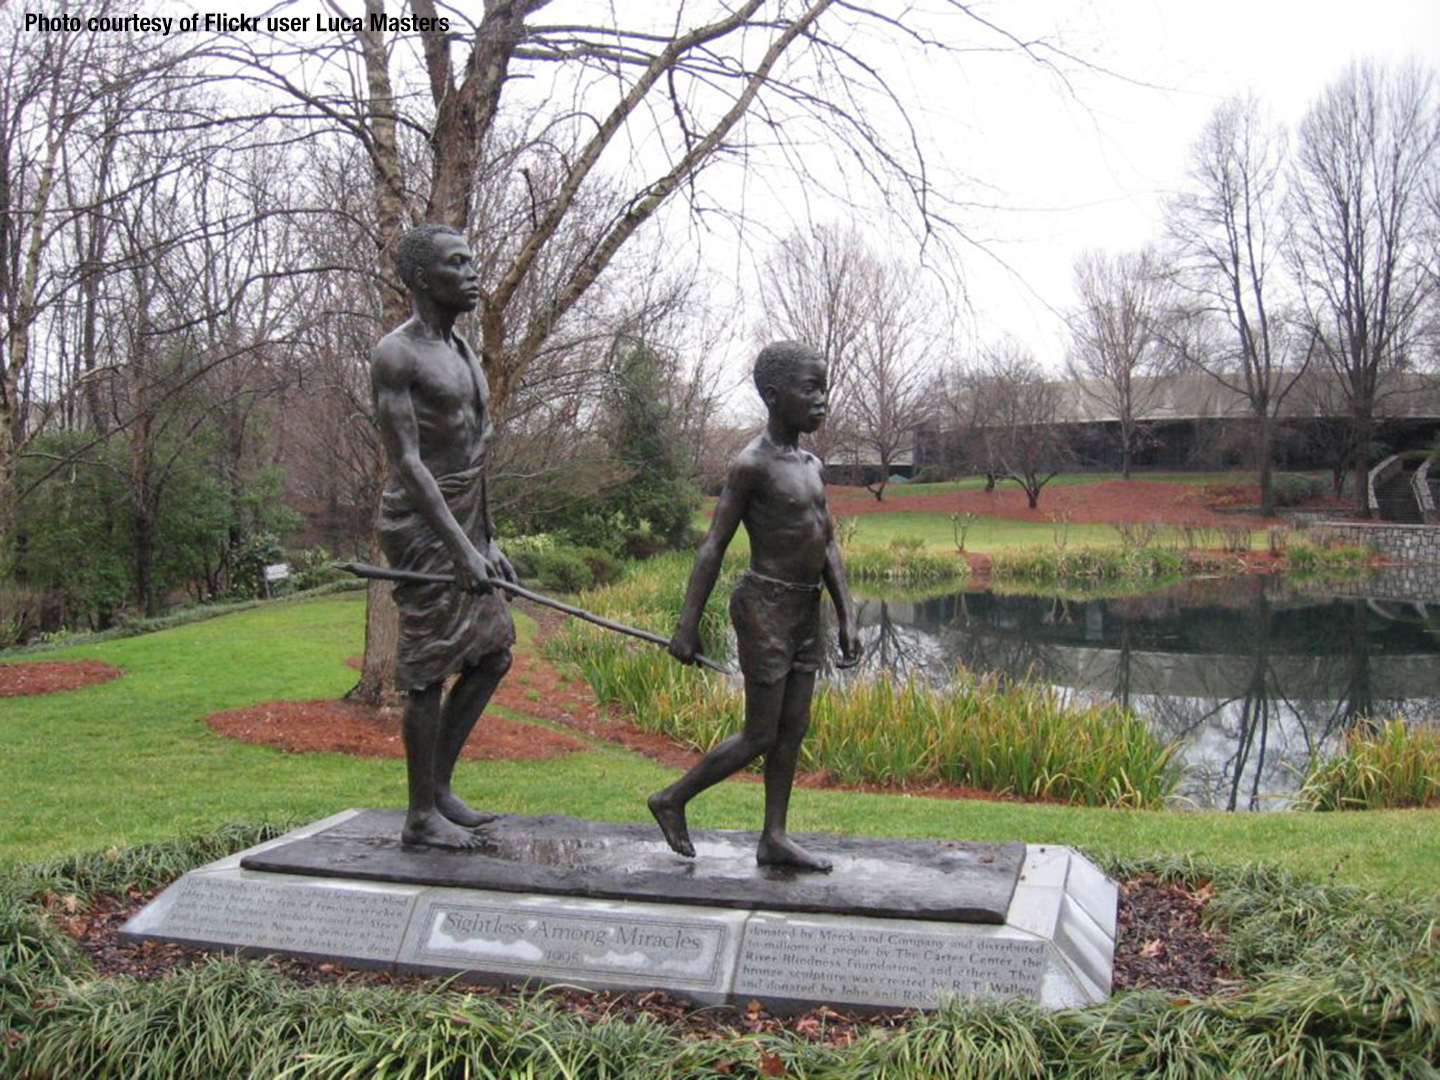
384	573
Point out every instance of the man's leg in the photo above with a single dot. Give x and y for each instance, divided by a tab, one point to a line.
762	714
464	704
776	847
424	824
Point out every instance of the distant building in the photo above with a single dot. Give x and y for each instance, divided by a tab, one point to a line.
853	462
1192	421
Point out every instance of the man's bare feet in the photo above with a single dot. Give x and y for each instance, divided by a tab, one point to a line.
461	812
434	830
672	823
782	851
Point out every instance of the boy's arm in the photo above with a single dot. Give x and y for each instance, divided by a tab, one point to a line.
834	575
729	509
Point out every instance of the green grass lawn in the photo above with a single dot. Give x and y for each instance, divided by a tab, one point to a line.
131	761
898	492
987	536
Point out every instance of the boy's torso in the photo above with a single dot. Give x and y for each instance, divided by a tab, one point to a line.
787	516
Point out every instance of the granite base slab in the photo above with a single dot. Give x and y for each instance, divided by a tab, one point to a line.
1054	946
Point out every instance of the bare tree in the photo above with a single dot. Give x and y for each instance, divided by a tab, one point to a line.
1366	149
554	176
1231	229
812	290
1018	412
50	85
1117	342
894	361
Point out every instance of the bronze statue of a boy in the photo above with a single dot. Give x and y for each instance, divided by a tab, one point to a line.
432	405
776	489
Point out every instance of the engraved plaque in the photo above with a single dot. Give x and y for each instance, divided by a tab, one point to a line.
781	958
323	920
558	944
1055	947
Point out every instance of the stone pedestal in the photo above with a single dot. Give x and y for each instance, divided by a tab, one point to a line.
897	924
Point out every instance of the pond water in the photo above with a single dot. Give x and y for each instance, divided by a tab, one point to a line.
1251	675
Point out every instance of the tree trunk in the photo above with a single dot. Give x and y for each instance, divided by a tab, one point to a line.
146	596
382	630
1126	454
382	619
7	482
1264	467
1362	462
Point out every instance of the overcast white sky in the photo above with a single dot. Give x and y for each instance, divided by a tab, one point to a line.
1093	169
1069	165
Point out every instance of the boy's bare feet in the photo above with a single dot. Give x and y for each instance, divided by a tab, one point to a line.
782	851
671	818
434	830
461	812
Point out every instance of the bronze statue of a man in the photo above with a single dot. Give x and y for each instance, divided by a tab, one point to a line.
432	404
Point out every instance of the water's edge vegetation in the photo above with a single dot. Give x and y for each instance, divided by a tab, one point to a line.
1009	738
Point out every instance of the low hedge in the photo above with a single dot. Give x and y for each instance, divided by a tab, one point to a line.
1337	983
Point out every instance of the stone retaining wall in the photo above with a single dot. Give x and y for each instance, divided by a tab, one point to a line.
1416	544
1407	583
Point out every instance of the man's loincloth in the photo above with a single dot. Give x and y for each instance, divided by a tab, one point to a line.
441	629
777	627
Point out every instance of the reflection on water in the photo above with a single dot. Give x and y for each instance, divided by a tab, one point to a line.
1251	675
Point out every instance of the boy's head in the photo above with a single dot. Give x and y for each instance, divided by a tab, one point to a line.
793	380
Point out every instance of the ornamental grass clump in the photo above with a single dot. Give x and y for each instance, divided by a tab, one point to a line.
1303	558
903	562
1088	564
1006	737
1391	766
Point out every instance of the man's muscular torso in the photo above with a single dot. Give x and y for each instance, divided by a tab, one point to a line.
448	397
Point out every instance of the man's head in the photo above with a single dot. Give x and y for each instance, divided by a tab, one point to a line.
793	380
436	260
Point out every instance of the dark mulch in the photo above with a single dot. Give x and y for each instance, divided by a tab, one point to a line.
1162	944
52	676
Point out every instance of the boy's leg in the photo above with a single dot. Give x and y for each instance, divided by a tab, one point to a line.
463	705
424	823
776	847
762	715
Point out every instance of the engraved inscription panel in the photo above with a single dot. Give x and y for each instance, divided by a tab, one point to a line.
313	919
810	961
513	939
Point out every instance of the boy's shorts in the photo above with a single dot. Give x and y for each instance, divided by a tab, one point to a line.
777	627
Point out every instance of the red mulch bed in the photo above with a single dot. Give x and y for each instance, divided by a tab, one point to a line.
1107	502
1161	944
341	727
52	676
